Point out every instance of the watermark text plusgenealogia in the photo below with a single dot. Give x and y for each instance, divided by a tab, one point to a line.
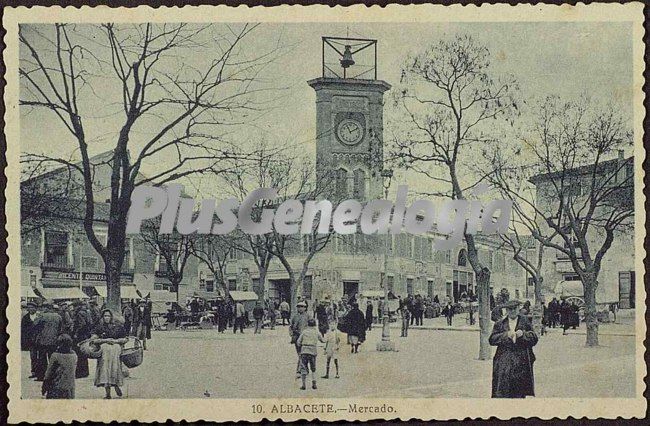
454	218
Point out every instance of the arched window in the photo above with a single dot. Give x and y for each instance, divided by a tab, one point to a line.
462	257
341	182
359	191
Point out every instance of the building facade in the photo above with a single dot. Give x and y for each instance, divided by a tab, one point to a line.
349	153
616	280
58	261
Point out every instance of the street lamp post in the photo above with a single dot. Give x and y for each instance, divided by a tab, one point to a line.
385	345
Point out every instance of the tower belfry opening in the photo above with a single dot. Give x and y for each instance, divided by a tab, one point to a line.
345	57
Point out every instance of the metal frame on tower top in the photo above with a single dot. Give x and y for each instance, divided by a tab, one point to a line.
359	45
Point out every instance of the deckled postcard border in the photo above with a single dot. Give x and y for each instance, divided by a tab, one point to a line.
40	410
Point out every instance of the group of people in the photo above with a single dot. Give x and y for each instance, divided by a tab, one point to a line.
329	317
562	313
52	333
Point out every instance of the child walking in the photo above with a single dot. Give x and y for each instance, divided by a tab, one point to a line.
60	374
308	342
332	344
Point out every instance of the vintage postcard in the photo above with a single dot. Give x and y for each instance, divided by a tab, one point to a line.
305	212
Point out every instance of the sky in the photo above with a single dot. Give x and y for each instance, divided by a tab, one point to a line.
564	58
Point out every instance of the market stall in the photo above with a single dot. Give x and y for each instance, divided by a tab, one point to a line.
62	293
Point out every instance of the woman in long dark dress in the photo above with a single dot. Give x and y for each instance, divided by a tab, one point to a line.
512	366
82	330
110	336
142	322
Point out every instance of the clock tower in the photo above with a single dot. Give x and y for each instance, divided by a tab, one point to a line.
349	119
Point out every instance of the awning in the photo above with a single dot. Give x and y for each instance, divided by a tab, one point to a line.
126	291
241	296
569	288
347	275
27	292
372	293
62	293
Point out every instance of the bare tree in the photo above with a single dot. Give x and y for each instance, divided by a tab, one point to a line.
509	180
573	155
174	251
452	104
212	250
300	249
171	108
270	168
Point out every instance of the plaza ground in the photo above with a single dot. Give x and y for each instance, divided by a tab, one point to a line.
430	363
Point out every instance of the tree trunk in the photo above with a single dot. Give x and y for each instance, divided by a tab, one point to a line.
591	319
113	299
295	291
262	282
175	282
538	311
484	320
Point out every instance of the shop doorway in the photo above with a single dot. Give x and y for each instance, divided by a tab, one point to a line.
350	289
280	290
626	290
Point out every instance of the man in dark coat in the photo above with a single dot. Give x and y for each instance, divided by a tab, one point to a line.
28	335
95	312
222	316
142	322
512	369
369	315
553	307
356	327
296	326
83	328
48	327
321	316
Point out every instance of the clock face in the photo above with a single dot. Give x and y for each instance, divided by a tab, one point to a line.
349	131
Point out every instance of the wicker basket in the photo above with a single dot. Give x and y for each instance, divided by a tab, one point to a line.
90	349
132	356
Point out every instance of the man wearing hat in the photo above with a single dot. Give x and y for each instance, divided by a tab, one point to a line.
512	369
28	335
94	311
296	326
48	327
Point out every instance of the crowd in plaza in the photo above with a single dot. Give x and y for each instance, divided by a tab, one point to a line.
62	337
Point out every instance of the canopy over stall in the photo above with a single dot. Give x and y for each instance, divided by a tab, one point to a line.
566	289
62	293
372	293
243	296
27	292
126	292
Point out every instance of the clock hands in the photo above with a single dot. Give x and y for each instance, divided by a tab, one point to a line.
352	132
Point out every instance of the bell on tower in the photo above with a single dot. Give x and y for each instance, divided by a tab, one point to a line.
341	51
349	118
347	60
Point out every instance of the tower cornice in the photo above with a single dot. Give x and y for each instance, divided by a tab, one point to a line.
349	84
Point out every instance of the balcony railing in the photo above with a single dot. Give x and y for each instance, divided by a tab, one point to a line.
57	266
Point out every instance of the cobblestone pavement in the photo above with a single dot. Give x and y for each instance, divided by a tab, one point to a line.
429	363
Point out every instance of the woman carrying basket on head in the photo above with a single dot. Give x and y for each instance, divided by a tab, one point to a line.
110	336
